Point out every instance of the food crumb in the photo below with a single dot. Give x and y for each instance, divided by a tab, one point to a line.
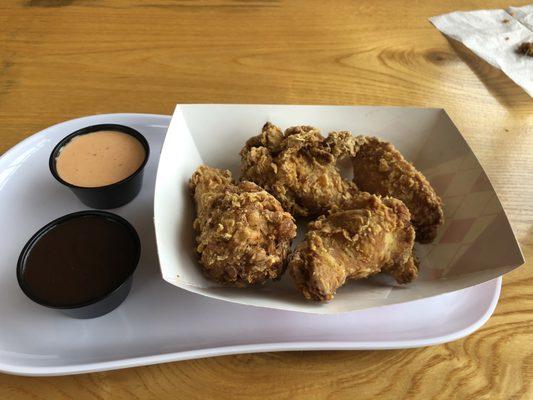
505	21
526	49
506	130
507	38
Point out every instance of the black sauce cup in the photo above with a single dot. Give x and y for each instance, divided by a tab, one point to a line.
100	305
110	196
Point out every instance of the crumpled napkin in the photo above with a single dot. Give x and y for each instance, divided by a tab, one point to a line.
495	35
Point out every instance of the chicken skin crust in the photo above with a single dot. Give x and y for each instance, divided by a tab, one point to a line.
380	169
243	233
298	167
375	236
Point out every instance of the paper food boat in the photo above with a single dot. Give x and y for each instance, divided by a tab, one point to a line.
475	244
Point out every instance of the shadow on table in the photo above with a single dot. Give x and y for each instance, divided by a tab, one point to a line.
504	90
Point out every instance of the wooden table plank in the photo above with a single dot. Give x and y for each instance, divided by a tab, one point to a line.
60	59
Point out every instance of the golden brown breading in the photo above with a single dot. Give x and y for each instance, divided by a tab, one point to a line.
380	169
299	167
355	244
244	235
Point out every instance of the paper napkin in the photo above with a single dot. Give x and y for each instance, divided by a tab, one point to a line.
495	35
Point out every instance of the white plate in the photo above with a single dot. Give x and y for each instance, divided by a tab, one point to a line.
161	323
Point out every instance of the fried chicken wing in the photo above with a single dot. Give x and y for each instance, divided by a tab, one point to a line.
380	169
354	244
243	233
299	167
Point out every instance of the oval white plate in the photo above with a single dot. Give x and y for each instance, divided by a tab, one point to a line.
159	322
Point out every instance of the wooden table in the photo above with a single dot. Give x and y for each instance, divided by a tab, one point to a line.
60	59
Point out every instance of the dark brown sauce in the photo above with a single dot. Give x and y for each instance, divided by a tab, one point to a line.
79	260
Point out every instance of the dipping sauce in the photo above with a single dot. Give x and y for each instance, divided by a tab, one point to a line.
79	260
99	158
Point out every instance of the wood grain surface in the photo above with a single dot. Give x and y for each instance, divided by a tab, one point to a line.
61	59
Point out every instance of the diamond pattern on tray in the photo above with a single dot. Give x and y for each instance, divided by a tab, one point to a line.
462	182
441	182
472	205
457	230
470	210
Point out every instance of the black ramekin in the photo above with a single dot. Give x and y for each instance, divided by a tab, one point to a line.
98	306
110	196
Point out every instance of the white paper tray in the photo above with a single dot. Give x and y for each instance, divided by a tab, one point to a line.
474	245
161	323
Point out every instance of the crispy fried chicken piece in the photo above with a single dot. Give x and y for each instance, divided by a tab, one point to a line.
354	244
244	235
380	169
299	167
